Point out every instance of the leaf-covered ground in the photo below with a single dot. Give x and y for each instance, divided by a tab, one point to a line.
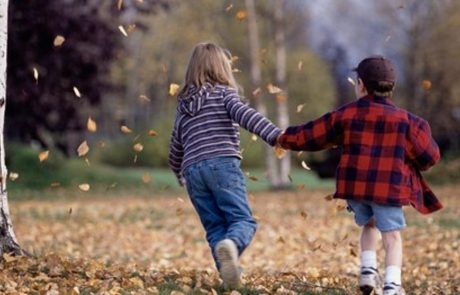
305	244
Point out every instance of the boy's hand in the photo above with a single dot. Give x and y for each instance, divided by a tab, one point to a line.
279	151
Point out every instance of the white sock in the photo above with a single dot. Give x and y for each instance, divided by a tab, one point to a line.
369	259
393	274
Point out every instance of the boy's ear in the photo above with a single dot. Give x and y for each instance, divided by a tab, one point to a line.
361	86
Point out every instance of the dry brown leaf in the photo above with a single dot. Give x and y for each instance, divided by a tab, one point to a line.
280	152
241	15
256	91
125	129
272	89
229	7
84	187
173	88
43	156
91	125
138	147
253	178
281	97
304	215
329	197
152	133
58	41
426	84
83	149
146	178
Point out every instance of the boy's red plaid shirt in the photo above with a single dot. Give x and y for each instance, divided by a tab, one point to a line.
384	148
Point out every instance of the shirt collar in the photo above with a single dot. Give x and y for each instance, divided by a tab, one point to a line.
378	99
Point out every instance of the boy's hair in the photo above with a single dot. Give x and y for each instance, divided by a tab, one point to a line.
209	63
378	75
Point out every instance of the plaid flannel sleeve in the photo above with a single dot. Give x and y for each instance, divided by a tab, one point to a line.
422	150
315	135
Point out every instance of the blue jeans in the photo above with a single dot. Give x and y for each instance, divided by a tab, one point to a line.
217	190
387	218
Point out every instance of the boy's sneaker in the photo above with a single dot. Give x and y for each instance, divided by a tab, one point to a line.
393	289
227	255
370	281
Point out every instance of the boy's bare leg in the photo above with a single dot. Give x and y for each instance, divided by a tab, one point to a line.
392	243
369	237
369	282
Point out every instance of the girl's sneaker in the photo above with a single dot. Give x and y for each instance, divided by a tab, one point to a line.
370	281
393	289
227	255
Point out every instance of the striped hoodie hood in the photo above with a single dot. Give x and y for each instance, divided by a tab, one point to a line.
191	102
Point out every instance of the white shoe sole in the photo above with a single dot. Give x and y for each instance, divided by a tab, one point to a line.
229	266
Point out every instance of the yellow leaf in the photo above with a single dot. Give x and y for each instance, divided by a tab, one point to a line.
35	74
254	137
173	88
9	258
131	28
426	84
136	281
84	187
300	107
77	92
138	147
351	81
14	176
83	149
152	133
146	178
43	156
91	125
280	152
272	89
241	15
305	166
123	31
281	97
256	91
125	129
58	40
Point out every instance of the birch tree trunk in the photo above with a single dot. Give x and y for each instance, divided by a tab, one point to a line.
256	81
8	242
282	98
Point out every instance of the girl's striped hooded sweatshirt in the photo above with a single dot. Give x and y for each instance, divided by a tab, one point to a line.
207	126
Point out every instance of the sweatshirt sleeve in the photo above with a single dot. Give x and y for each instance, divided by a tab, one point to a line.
250	119
176	154
422	150
315	135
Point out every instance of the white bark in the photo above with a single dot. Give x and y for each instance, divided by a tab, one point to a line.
283	111
256	81
8	242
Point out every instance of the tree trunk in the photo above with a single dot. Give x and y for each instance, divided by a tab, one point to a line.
282	98
8	242
256	81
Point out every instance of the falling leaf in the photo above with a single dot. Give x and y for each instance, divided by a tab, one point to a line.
131	28
254	137
387	39
77	92
43	156
91	125
83	149
299	153
144	98
300	65
229	7
280	152
14	176
173	88
426	84
241	15
256	91
300	107
146	178
84	187
35	74
351	81
305	166
123	31
87	162
301	186
253	178
281	97
119	4
152	133
58	41
180	200
101	144
125	129
290	177
272	89
138	147
55	184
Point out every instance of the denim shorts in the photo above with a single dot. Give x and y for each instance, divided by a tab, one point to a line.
387	218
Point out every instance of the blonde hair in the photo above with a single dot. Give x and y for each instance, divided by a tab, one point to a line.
209	63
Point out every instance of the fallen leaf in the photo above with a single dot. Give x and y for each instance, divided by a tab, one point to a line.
58	41
138	147
43	156
272	89
91	125
125	129
84	187
77	92
305	166
173	88
329	197
83	149
304	215
123	31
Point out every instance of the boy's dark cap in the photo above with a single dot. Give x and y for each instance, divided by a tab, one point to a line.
376	68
